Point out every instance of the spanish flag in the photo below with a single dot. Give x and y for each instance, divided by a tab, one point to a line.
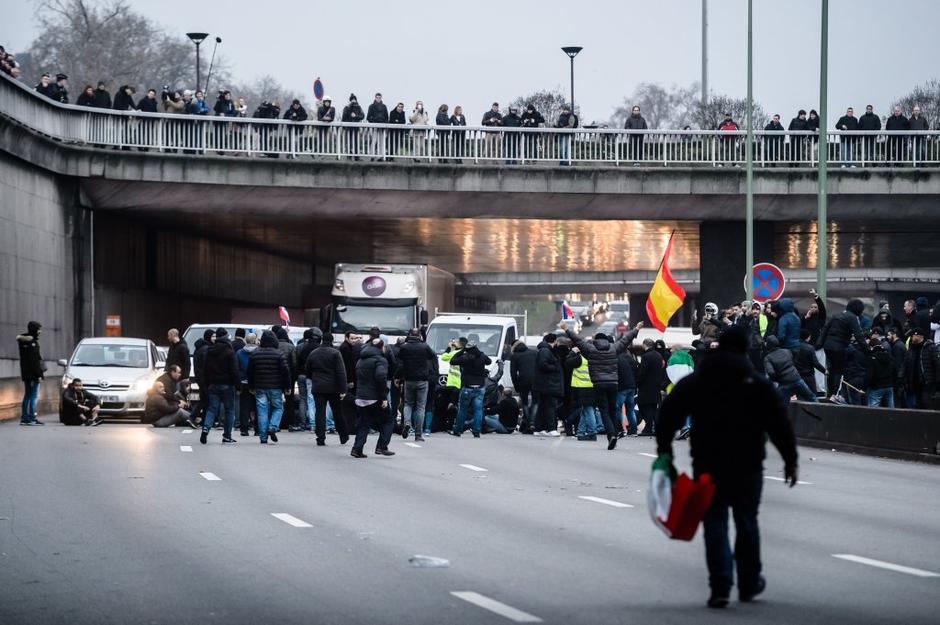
666	296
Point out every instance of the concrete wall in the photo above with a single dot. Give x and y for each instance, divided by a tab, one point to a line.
43	269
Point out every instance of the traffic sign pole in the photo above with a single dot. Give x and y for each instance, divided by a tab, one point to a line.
749	200
822	233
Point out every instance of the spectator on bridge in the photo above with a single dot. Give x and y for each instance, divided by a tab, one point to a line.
78	406
834	340
32	371
269	378
326	114
247	407
522	372
798	142
371	400
61	89
458	119
46	87
102	96
492	119
444	145
396	137
511	139
732	414
178	353
531	118
199	106
173	103
636	122
223	381
124	98
847	144
241	108
897	123
812	125
881	373
414	358
773	145
788	325
650	378
224	107
377	114
566	120
296	113
352	114
86	97
419	117
148	103
869	122
919	123
161	411
815	317
921	367
728	144
918	316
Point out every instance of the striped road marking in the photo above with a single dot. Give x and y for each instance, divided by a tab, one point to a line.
606	502
474	467
886	565
185	448
496	607
290	519
212	477
780	479
643	453
187	432
415	445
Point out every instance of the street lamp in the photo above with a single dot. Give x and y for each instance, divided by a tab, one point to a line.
197	38
572	51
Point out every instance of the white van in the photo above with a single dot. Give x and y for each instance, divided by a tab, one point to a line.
493	334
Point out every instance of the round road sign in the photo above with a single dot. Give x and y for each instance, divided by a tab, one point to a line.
767	282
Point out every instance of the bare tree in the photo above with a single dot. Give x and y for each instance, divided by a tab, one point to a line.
708	117
548	102
266	88
927	97
676	107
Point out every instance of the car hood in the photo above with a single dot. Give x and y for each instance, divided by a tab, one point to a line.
114	376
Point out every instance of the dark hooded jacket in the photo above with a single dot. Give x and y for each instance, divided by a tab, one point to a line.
840	328
815	323
69	412
882	371
413	358
102	99
178	354
788	325
626	371
326	370
158	405
602	355
267	365
778	363
312	339
123	101
856	364
920	318
350	354
806	362
377	113
371	374
199	357
884	321
32	368
221	364
732	410
287	348
921	366
522	367
548	372
472	363
650	376
298	114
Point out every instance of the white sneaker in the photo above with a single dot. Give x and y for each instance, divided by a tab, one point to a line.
553	433
541	433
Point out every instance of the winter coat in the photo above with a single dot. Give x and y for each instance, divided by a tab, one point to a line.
102	99
512	120
882	372
815	323
884	321
325	369
267	366
635	122
709	330
198	107
492	118
650	376
847	123
396	117
732	411
567	120
85	100
178	354
350	354
442	119
920	318
147	105
897	122
797	124
123	101
413	358
626	371
50	90
352	112
221	365
69	412
856	364
418	118
869	121
778	364
174	107
788	325
458	120
371	374
472	363
532	119
602	356
243	356
326	114
32	368
522	367
805	360
921	366
548	372
918	123
157	406
840	329
508	411
224	108
298	114
377	113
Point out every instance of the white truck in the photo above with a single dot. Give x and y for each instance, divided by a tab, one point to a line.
393	298
493	334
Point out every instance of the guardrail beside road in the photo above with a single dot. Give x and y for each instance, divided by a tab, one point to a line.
233	136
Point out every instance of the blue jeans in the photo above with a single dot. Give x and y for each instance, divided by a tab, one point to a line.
30	397
801	389
588	421
270	406
221	395
494	424
471	398
564	142
877	396
627	397
305	397
742	494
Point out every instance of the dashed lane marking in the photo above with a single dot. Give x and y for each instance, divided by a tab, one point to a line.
186	448
290	519
474	467
648	455
886	565
212	477
415	445
187	432
606	502
496	607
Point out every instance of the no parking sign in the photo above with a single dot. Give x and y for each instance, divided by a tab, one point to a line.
767	282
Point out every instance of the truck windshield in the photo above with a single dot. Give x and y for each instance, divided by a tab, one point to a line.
389	319
487	338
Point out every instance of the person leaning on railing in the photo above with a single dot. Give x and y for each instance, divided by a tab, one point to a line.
326	114
531	118
419	117
567	120
458	119
919	123
797	142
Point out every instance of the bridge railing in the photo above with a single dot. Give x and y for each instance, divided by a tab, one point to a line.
200	135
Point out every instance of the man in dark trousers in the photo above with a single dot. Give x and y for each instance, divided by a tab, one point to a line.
473	374
522	372
78	407
32	371
326	371
549	385
371	402
732	410
177	354
834	339
650	376
223	382
414	358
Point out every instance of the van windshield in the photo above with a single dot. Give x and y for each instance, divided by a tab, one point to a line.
487	338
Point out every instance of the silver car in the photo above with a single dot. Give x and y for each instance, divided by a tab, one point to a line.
117	370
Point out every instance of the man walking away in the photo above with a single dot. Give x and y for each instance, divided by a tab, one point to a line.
778	364
32	371
327	375
371	402
269	379
472	363
246	400
650	376
223	382
414	357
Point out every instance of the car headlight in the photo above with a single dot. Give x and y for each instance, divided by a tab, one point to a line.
339	285
141	386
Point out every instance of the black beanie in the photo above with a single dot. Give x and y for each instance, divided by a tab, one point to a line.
221	333
240	332
856	307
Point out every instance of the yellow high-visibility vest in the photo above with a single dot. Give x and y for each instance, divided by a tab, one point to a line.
581	376
453	374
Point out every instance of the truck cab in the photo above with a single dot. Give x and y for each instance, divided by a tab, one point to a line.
493	334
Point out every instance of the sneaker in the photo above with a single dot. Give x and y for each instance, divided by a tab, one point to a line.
621	434
264	441
541	433
295	428
37	422
419	439
96	422
204	437
452	433
553	433
227	440
476	435
321	443
243	433
749	595
718	600
612	443
587	437
273	434
384	452
355	453
683	433
26	423
427	432
405	430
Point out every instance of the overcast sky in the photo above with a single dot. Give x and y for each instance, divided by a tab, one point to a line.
473	53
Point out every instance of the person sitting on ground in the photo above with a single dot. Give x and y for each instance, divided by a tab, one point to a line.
79	407
161	412
175	388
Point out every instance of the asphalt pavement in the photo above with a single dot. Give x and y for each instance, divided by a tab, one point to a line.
124	523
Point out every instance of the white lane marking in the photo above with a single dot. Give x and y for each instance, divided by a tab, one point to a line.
606	502
885	565
415	445
497	607
780	479
187	432
473	467
212	477
186	448
290	519
643	453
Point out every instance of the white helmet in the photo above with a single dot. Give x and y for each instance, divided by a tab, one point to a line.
711	308
326	98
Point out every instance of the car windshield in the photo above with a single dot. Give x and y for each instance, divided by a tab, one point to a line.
487	338
193	334
389	319
106	355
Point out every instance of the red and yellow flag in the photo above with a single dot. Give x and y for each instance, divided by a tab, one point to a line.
666	296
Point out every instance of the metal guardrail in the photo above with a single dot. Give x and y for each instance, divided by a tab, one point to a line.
199	135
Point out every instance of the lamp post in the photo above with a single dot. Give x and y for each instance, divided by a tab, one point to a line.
749	152
197	38
822	234
572	51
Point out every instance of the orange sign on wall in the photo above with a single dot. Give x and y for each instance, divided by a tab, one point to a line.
112	325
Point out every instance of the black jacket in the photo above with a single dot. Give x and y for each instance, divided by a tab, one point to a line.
312	340
442	119
512	120
413	358
850	123
918	123
532	119
371	374
85	100
869	121
352	113
650	376
69	412
350	354
815	322
778	364
626	371
920	318
635	122
326	114
102	99
157	406
856	364
492	118
797	124
839	330
732	409
325	370
267	365
805	360
896	123
602	356
899	355
298	114
199	361
178	354
221	365
396	117
123	101
522	367
508	411
884	321
882	372
147	105
377	113
549	377
921	366
472	363
31	365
